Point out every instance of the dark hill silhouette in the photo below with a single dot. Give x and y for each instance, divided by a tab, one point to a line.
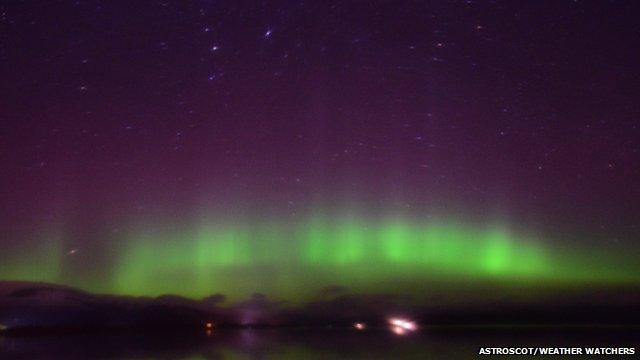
27	307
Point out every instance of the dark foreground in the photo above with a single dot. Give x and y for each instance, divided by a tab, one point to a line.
305	343
46	321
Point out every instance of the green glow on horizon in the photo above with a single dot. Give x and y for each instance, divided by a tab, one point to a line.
295	261
35	263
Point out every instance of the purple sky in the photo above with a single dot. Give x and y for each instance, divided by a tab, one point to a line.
115	112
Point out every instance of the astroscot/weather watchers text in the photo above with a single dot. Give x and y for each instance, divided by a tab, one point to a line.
556	351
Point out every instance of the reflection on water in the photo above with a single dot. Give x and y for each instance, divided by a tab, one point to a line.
297	344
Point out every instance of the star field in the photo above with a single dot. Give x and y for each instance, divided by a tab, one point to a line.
163	115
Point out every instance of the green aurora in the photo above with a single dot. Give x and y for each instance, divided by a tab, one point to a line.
294	262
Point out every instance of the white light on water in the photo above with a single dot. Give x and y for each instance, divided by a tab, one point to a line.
401	326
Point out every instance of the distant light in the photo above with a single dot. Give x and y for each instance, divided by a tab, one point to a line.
209	325
401	326
398	330
360	326
3	327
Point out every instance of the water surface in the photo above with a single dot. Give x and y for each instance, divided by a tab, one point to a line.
302	343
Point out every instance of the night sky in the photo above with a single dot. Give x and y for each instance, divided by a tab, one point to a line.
282	147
